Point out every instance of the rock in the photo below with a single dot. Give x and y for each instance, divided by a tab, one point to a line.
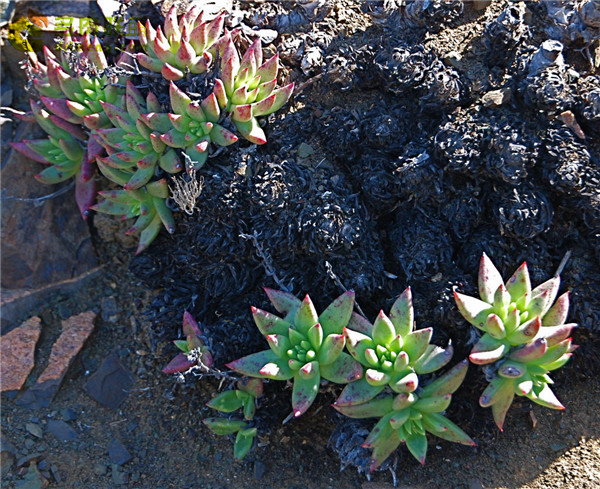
109	309
117	452
118	477
33	479
62	247
110	384
454	59
481	4
16	304
61	430
55	473
75	332
496	98
259	470
476	484
17	351
99	468
68	414
305	150
8	455
34	429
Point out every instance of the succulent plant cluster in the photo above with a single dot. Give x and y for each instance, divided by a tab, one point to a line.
244	397
525	336
94	116
394	354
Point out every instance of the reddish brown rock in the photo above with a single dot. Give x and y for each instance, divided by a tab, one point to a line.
17	352
43	241
75	332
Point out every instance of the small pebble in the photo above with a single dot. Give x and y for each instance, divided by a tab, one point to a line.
259	470
34	429
99	468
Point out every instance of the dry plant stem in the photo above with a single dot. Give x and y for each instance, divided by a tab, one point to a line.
265	258
38	201
339	283
563	263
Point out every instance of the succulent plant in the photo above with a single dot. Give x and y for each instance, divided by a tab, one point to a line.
304	346
192	125
523	332
393	352
133	144
407	416
64	151
189	45
74	90
247	88
193	347
244	397
146	203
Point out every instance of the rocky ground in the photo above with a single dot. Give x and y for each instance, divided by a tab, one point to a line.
346	164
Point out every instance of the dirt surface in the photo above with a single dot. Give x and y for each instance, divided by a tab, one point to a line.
155	438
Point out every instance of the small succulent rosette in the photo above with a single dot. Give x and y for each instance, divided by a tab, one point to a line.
394	354
194	350
407	417
147	204
304	346
180	47
132	144
392	351
64	153
525	336
244	397
192	126
247	89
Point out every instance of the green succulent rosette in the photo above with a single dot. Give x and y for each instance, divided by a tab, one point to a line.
132	145
407	417
392	351
247	89
147	204
180	47
192	126
304	346
524	334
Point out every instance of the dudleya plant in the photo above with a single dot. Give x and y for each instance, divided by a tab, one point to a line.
132	144
194	350
524	334
147	204
244	397
393	352
304	346
407	416
177	48
247	88
192	126
64	152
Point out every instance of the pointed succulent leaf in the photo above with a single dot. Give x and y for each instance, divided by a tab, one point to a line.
525	332
304	392
503	401
148	234
357	343
488	350
433	359
376	377
375	408
282	95
269	323
251	130
223	426
540	304
179	364
280	344
337	315
512	370
331	348
407	383
556	334
306	316
495	327
25	150
342	370
315	336
545	397
253	364
519	284
442	427
226	402
402	313
380	431
384	449
243	442
531	351
171	73
557	314
512	321
501	298
404	400
416	342
383	330
489	279
417	446
283	302
357	392
473	310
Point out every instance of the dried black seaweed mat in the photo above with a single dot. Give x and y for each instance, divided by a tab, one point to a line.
389	170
